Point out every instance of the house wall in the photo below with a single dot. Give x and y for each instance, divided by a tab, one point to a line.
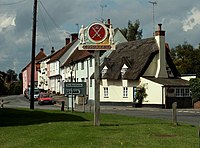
83	75
25	80
55	78
43	79
115	90
54	68
151	70
154	92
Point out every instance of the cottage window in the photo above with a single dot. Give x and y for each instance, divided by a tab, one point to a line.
105	91
182	92
125	92
187	92
123	70
104	70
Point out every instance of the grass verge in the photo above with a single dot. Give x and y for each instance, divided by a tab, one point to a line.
46	128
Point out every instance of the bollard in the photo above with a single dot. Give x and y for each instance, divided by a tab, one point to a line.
62	105
174	115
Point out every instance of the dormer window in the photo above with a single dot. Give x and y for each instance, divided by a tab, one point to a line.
123	70
104	70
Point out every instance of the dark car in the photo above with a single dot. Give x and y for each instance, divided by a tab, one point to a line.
45	99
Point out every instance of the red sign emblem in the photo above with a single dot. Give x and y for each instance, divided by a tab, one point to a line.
97	32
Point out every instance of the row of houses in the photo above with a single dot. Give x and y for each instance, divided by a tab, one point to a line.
134	64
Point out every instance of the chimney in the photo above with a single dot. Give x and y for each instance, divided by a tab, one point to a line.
161	71
41	49
74	36
108	21
67	41
52	50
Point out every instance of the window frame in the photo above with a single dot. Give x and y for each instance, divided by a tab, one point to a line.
105	92
125	92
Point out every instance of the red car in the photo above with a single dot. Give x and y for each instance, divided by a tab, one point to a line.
45	99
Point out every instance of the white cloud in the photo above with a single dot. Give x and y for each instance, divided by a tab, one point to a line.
7	21
192	20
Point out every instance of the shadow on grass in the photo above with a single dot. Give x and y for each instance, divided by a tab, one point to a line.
18	117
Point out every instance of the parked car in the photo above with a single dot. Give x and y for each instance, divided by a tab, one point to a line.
45	99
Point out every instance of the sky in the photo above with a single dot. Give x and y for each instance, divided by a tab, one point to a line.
56	19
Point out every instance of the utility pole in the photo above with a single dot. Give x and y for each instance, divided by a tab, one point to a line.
33	54
153	14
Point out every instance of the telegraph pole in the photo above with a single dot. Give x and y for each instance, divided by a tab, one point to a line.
33	55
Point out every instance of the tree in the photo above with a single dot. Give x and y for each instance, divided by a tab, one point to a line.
186	58
11	76
195	89
3	88
132	32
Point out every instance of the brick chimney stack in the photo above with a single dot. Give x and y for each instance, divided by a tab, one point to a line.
160	31
52	50
67	41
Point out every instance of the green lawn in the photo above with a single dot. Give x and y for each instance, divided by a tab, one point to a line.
24	128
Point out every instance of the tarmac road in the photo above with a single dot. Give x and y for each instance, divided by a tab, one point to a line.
191	116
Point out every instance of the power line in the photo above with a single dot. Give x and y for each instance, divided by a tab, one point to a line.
50	16
44	25
13	3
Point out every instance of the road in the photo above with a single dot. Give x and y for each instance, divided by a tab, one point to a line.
19	101
191	116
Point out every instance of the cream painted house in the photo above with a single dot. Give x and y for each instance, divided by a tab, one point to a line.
143	63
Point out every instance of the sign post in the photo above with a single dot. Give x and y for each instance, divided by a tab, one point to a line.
97	89
74	88
96	37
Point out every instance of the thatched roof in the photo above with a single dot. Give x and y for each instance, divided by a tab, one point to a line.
137	55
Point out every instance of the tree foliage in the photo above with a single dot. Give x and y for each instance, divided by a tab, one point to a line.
132	32
186	58
11	76
195	89
9	85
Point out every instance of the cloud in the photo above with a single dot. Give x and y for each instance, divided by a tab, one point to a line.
192	20
6	21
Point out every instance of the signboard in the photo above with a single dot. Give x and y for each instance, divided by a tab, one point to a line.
75	88
97	36
97	33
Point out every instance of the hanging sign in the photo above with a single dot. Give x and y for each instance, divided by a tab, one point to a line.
97	36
